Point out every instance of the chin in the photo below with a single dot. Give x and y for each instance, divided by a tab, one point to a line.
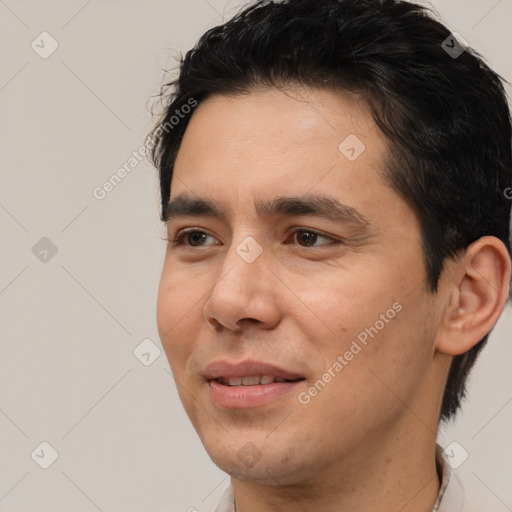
244	461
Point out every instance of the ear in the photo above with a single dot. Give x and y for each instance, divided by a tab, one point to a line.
476	287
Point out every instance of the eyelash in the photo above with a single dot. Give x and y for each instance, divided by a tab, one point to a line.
178	241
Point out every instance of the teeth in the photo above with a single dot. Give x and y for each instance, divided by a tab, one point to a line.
235	381
251	380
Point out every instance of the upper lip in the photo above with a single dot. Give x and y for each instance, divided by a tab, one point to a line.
225	369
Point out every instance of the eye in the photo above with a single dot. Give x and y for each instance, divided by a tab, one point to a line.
195	236
310	237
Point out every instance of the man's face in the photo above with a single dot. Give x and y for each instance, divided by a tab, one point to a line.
254	287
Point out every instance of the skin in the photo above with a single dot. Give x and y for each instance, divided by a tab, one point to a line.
367	440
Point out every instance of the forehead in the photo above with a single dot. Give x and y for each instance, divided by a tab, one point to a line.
295	114
270	142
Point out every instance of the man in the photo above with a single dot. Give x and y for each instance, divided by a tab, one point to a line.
333	178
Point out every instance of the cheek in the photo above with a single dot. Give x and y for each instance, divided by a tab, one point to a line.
177	321
395	356
374	323
342	304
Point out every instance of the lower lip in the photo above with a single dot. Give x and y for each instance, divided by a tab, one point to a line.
242	397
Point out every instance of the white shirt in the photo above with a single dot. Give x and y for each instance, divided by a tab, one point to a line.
449	499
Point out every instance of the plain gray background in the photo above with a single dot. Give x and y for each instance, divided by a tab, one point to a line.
71	320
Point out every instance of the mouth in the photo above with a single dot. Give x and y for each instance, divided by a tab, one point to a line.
254	380
248	384
252	391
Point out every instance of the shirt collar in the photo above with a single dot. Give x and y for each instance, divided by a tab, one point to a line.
449	499
451	493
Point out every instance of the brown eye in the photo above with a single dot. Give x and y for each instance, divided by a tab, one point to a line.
191	238
308	238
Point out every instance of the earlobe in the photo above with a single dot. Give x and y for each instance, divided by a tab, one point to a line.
478	284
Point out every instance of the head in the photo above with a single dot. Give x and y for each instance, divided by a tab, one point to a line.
357	102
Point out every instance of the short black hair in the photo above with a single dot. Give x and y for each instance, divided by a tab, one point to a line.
445	116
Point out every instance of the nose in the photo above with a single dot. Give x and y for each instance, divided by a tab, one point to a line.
244	291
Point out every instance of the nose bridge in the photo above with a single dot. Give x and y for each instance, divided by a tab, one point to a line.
243	263
241	279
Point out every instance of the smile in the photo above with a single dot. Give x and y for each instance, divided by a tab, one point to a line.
252	380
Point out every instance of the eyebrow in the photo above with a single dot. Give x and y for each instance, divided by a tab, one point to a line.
320	206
